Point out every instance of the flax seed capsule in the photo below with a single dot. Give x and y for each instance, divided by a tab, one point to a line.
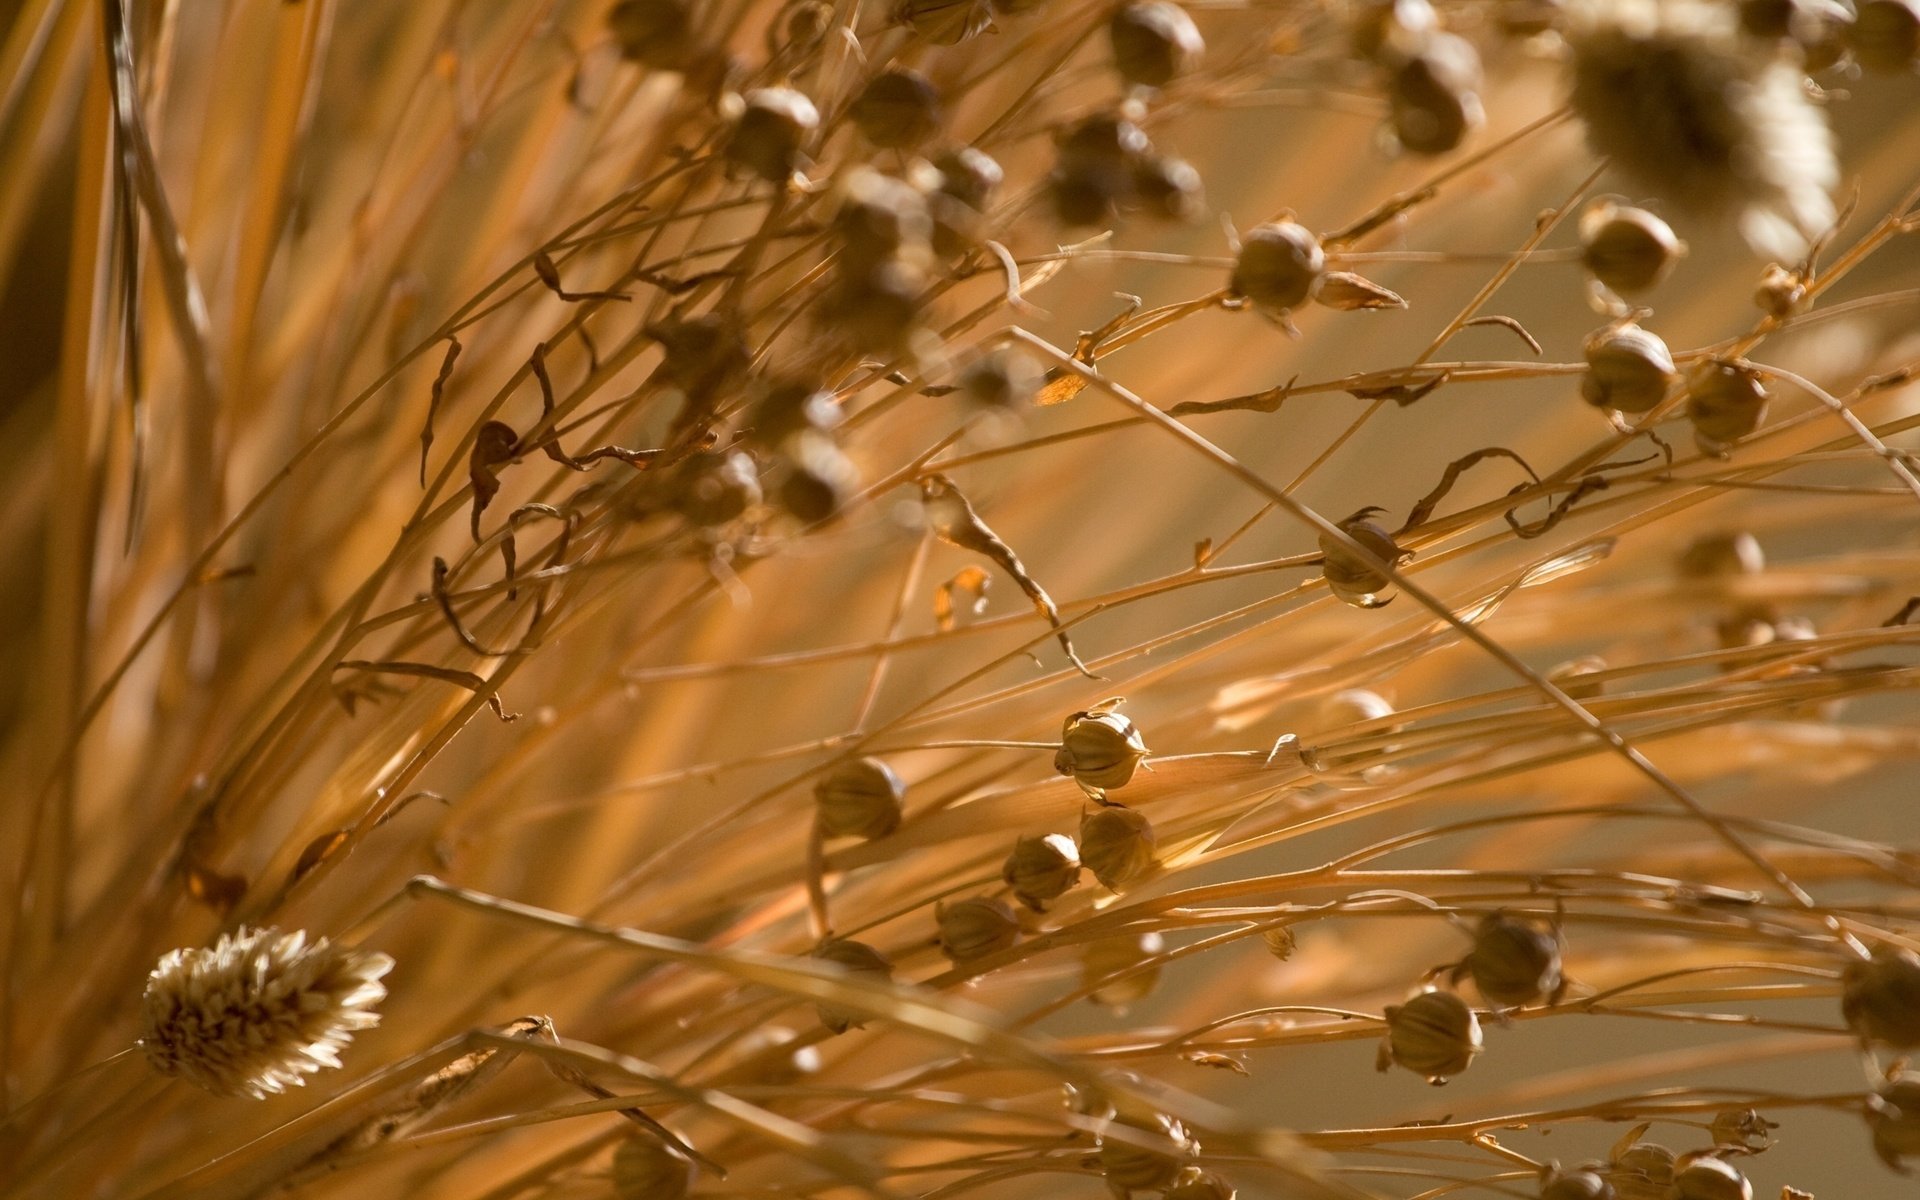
1704	1177
1580	1184
858	960
646	1168
1169	189
1117	845
1894	1117
860	799
898	109
1352	578
1041	869
771	133
1512	961
1154	42
1627	249
1113	956
1628	369
1434	1035
975	928
1129	1167
1433	95
1725	402
1880	998
1644	1171
654	33
1279	266
1101	750
945	22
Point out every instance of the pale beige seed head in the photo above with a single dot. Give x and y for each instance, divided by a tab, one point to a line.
1117	845
259	1011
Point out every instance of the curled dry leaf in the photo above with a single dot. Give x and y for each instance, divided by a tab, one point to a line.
974	582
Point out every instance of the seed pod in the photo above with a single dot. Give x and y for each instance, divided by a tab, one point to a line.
1349	292
1581	1184
1512	961
1725	402
975	928
1886	35
1101	750
944	22
880	219
1042	869
1351	578
1434	1034
1390	29
819	479
1280	941
1003	378
771	132
646	1168
1781	294
1627	249
1129	1167
1722	555
1080	197
898	109
970	176
1880	998
1644	1171
805	25
1111	956
877	311
704	355
859	960
654	33
1093	176
1279	265
1894	1117
1820	28
788	408
1195	1184
1117	845
1433	99
1704	1177
1169	188
718	488
1628	369
1742	1131
860	799
1154	42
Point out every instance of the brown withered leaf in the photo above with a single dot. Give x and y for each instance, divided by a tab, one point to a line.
433	405
1402	394
549	274
954	520
1267	401
318	850
464	679
1430	501
1061	386
549	442
437	589
974	581
493	447
1349	292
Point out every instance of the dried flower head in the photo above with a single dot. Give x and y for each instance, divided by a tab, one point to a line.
1101	749
1117	845
1726	401
259	1011
1894	1117
1673	95
1041	869
1434	1035
1279	266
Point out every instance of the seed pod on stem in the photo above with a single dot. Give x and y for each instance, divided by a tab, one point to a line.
1627	249
897	110
1894	1117
1111	956
1433	95
1726	401
1702	1176
1117	845
1129	1167
1642	1171
1101	749
1154	42
1041	869
1513	962
1582	1183
1352	578
654	33
646	1168
1434	1035
858	960
1628	369
860	798
975	927
1279	266
1880	997
771	132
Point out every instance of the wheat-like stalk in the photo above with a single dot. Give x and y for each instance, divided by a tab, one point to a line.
925	598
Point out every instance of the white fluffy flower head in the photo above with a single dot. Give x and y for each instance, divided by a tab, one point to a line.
258	1012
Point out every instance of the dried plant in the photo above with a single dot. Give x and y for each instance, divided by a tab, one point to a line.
532	495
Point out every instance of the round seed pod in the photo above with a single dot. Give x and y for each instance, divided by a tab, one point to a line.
1820	28
1390	29
1280	941
1129	1167
1101	750
1513	962
1704	1177
1433	98
654	33
788	408
1885	36
1894	1117
718	488
879	219
1093	175
1081	197
646	1168
1644	1171
1742	1131
1112	956
1169	188
975	928
1195	1184
704	355
1348	292
1725	402
1003	378
771	132
819	479
1781	294
898	109
860	799
944	22
877	311
1279	265
970	176
1628	369
1351	578
805	25
1581	1184
1627	249
1880	998
1722	555
1434	1035
1117	845
1042	869
1154	42
858	960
